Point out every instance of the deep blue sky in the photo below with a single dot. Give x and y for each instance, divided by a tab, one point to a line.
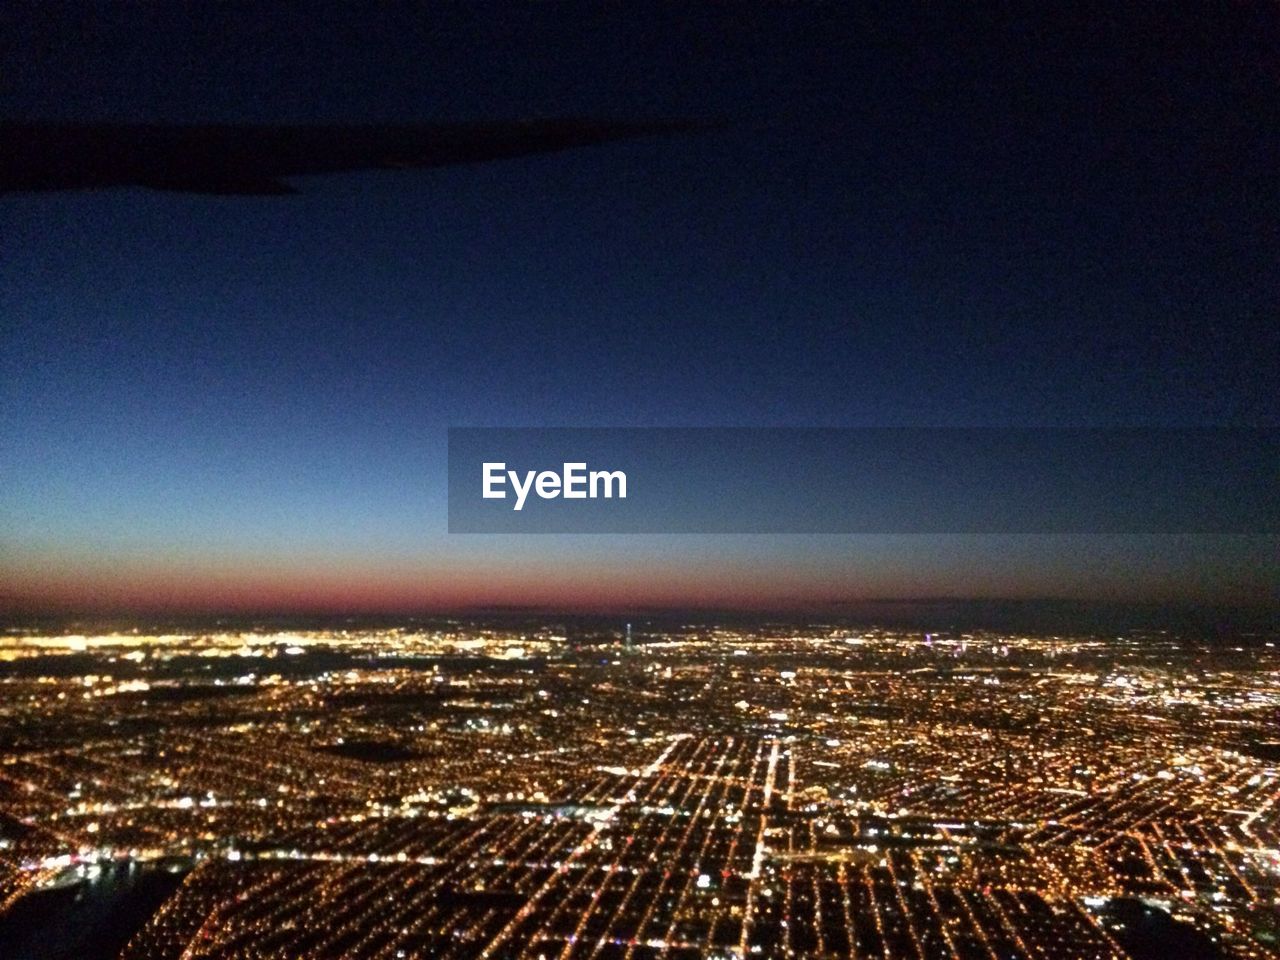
908	220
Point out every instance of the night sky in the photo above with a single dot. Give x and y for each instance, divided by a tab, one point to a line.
241	403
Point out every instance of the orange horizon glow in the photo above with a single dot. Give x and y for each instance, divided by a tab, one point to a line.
58	584
302	592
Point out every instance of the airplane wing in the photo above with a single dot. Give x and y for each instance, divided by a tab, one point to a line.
256	159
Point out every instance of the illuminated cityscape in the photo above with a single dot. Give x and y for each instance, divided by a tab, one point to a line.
460	789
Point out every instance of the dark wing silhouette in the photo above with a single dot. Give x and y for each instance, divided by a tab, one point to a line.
254	160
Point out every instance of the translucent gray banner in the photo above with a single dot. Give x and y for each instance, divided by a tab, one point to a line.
877	480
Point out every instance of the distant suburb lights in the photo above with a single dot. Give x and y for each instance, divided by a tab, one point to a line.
574	482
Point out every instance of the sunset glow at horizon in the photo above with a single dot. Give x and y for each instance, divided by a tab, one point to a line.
602	574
